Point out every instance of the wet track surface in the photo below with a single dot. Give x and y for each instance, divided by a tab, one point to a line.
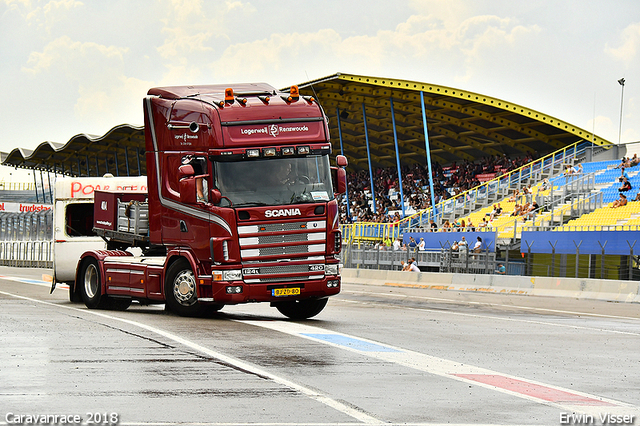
375	355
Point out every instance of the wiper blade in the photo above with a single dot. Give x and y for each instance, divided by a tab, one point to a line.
256	204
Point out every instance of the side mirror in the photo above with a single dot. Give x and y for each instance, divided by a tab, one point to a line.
188	189
216	196
341	161
341	179
185	170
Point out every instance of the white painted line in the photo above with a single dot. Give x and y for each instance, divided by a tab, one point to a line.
529	308
565	399
462	314
313	394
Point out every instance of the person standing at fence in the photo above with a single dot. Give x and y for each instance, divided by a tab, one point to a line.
477	247
462	245
421	244
501	269
412	244
397	244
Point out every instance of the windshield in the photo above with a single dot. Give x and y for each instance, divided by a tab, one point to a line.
277	181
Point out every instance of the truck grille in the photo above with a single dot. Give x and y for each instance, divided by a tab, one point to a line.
263	246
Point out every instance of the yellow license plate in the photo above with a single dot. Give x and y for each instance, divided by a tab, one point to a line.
279	292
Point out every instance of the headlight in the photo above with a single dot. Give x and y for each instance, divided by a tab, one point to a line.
233	275
331	269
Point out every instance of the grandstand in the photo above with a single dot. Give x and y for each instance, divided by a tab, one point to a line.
575	218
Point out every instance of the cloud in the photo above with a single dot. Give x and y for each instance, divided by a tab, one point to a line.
74	57
105	105
421	42
627	51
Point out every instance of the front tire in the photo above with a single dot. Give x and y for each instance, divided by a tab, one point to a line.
301	309
91	285
180	290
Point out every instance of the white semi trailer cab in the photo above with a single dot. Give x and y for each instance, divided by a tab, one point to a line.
73	220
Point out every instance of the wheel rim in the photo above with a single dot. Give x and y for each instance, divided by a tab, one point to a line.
91	283
184	288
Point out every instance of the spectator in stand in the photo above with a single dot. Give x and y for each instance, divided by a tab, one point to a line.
546	185
637	197
623	175
517	210
626	185
433	226
446	227
462	177
634	161
470	226
483	224
497	211
620	202
501	269
421	244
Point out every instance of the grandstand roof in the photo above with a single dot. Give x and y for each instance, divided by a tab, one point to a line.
462	125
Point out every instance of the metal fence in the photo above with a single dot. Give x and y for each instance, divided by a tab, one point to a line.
447	259
35	254
26	239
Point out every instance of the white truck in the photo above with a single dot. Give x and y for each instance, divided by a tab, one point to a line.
73	221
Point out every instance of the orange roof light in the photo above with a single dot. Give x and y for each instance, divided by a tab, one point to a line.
294	94
228	95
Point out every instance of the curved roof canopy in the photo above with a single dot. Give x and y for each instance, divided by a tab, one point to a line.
119	152
461	125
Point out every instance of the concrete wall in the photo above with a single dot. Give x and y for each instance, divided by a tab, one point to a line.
578	288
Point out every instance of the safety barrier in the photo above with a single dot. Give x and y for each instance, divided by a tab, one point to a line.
444	260
34	254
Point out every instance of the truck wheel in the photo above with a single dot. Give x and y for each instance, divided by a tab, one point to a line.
301	309
180	290
91	285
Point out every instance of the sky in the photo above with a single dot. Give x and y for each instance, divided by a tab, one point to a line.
69	67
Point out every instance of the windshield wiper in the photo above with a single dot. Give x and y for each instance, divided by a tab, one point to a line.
253	204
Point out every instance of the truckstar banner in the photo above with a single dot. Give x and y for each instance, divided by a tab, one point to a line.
23	207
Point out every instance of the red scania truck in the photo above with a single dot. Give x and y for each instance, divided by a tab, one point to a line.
240	207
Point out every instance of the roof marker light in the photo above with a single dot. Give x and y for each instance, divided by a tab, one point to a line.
242	101
264	99
294	94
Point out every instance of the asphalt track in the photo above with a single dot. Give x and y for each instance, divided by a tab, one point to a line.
375	355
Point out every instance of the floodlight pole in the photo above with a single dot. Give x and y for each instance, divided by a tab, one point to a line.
366	138
621	82
395	139
342	153
426	143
